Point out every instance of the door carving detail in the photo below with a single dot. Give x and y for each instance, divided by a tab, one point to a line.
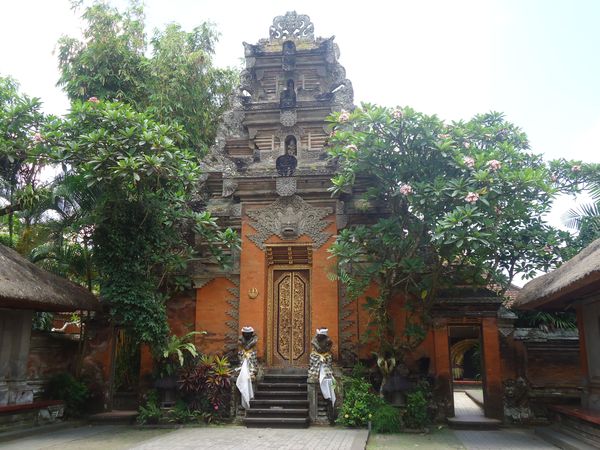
290	314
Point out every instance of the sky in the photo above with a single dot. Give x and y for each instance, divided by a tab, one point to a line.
535	60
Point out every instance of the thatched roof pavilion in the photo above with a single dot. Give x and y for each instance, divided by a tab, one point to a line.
23	285
577	278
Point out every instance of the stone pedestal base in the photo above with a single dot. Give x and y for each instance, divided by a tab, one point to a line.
15	393
313	400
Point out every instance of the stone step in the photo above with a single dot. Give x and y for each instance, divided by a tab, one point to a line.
114	417
268	403
282	386
290	395
277	422
555	435
277	412
473	423
284	378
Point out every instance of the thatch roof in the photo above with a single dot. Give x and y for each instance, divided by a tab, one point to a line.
23	285
577	278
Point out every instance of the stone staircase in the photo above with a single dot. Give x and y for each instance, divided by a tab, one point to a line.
280	400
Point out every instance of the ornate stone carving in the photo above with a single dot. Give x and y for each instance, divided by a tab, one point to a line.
292	26
231	337
285	186
309	219
288	117
229	187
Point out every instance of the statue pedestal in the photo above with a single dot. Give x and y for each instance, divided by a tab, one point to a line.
313	400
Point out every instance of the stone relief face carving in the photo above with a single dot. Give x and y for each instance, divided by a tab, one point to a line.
292	26
286	213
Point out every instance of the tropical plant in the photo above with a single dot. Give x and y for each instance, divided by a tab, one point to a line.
150	412
142	178
387	419
20	162
176	350
360	403
416	415
175	77
463	204
206	385
64	386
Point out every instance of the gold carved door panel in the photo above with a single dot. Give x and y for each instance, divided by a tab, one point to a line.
290	317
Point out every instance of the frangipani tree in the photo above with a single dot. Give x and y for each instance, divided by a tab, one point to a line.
464	205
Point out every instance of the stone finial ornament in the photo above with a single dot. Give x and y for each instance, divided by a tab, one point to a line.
292	26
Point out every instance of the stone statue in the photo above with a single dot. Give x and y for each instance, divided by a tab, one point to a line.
287	98
320	368
320	354
286	164
288	61
247	350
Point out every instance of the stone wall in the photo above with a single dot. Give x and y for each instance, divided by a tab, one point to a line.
539	368
50	354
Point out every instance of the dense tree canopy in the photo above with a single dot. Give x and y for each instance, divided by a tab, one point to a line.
465	205
178	81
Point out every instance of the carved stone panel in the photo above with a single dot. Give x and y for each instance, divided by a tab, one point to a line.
292	26
289	212
285	186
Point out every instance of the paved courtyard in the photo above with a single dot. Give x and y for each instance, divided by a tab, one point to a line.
115	437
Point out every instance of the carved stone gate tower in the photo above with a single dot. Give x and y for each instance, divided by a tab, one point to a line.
268	176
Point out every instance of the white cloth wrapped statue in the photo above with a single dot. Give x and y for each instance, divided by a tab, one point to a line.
249	365
321	363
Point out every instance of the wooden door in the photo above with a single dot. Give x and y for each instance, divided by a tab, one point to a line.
290	317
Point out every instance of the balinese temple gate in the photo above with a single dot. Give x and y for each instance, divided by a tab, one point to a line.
267	176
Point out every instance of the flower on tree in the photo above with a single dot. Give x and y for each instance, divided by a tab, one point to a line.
352	148
37	138
554	178
93	100
472	197
466	144
494	165
397	113
576	168
469	162
406	189
344	116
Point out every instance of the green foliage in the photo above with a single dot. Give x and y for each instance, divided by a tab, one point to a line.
547	321
205	386
20	186
74	393
416	415
181	413
175	351
150	413
387	419
360	403
142	178
174	77
42	321
464	202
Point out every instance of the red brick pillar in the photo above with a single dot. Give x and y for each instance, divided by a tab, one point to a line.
493	390
443	375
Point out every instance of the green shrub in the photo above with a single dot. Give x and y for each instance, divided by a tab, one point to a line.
151	412
181	413
360	403
387	419
416	415
65	387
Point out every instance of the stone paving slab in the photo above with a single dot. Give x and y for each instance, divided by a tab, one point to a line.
104	437
512	438
242	438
